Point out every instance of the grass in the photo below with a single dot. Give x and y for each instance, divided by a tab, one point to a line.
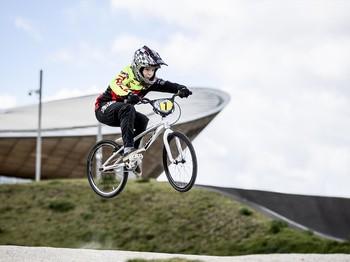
148	216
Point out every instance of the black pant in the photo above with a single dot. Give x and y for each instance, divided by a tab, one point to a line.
123	115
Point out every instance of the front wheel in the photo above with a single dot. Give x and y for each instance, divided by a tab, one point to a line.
111	181
182	173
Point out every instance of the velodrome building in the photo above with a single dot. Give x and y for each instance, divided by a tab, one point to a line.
70	129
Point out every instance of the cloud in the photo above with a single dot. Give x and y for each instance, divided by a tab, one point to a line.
62	55
72	92
329	59
127	43
29	28
80	55
193	15
7	101
261	142
251	39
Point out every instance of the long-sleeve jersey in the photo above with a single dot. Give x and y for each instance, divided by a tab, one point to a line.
125	82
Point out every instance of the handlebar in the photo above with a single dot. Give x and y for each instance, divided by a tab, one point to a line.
146	100
155	104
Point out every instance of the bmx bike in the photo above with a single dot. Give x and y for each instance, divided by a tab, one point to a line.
107	173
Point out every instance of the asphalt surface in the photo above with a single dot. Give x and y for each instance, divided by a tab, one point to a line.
38	254
326	216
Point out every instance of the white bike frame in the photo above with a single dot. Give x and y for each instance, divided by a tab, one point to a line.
163	126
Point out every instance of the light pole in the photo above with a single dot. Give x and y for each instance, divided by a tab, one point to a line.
38	139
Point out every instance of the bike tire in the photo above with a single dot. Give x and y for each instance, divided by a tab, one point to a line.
181	175
106	184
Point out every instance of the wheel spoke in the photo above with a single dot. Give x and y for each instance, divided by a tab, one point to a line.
111	181
182	173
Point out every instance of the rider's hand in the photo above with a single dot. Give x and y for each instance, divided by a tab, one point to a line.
133	98
184	92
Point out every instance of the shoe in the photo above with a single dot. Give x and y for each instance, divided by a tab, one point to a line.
138	171
132	153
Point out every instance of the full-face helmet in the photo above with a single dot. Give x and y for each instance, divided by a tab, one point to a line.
145	57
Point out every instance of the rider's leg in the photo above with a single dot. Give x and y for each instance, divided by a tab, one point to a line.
108	116
141	122
127	118
124	115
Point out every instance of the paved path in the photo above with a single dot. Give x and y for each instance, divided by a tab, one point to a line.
38	254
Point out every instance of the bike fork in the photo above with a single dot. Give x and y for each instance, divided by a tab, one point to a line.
167	147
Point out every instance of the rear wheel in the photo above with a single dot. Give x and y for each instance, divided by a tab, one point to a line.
110	182
182	173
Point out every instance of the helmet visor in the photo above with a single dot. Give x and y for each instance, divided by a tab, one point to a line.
155	56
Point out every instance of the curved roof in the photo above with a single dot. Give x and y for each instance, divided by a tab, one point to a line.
70	129
75	116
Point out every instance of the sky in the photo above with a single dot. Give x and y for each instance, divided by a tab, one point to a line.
285	65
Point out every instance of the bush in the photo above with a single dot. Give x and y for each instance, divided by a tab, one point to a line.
61	206
245	211
277	225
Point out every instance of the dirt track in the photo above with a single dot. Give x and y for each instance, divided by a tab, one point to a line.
37	254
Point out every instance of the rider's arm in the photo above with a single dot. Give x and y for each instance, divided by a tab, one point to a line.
166	86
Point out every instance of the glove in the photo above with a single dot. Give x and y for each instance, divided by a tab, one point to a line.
133	98
184	92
